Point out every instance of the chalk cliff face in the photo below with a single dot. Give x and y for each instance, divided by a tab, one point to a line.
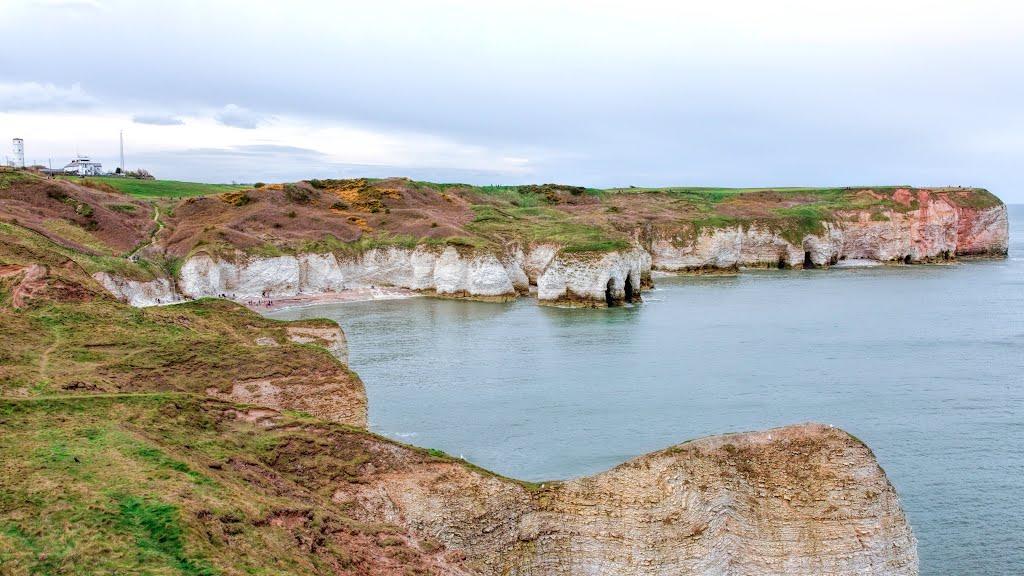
568	278
983	232
446	272
322	393
801	500
936	229
724	248
136	292
593	279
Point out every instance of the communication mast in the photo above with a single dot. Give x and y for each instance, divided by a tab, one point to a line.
122	152
19	153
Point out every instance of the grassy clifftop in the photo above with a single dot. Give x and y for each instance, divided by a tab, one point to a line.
157	188
119	453
176	484
353	215
64	334
357	214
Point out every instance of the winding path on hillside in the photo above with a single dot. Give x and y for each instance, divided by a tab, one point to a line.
153	234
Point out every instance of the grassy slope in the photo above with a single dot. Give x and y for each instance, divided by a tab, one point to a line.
93	343
358	214
176	484
793	211
162	188
579	219
104	262
103	346
542	224
112	461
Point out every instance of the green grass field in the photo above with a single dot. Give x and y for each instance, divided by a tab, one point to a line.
161	188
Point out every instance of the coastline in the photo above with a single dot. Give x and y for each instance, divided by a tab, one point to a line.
352	295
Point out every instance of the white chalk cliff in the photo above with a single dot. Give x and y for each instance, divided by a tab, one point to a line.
937	230
803	500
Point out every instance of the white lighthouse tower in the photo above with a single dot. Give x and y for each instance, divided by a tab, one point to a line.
19	153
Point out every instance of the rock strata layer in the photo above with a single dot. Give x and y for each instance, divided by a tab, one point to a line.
801	500
938	229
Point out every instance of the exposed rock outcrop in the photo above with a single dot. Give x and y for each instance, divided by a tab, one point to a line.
35	281
983	232
938	229
586	278
443	271
930	226
335	393
330	337
800	500
724	248
594	279
139	292
334	399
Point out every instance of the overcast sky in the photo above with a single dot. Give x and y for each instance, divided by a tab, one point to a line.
618	93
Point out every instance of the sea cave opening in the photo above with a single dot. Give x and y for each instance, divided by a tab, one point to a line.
608	298
629	289
906	259
808	263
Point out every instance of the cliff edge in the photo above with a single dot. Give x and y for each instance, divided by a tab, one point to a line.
570	245
201	438
806	499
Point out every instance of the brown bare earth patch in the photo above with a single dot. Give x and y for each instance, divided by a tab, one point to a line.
762	204
267	216
903	196
290	216
95	343
95	220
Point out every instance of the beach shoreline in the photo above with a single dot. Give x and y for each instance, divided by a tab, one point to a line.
352	295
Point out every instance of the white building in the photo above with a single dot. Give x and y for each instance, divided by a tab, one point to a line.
83	166
19	153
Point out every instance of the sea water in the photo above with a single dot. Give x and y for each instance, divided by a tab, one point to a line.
923	363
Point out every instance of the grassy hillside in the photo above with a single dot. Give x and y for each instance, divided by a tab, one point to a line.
177	484
160	188
339	215
118	453
114	459
63	333
353	215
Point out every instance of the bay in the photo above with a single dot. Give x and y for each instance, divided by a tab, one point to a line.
924	363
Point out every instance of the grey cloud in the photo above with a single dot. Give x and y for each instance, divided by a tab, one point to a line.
157	120
640	99
238	117
43	96
277	163
96	4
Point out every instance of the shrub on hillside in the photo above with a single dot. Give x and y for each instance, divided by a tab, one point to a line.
299	195
57	194
101	186
141	174
235	198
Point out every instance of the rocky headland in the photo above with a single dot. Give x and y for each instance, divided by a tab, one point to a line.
201	438
567	245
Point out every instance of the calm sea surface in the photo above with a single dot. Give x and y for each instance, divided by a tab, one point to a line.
924	363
